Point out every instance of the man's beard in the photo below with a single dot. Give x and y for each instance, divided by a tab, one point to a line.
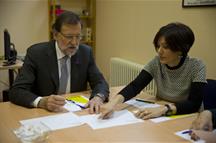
75	49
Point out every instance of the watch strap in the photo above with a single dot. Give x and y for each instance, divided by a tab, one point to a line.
101	96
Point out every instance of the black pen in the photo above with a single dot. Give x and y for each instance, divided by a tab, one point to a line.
187	132
142	100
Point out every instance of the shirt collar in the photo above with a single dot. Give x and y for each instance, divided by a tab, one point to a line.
58	51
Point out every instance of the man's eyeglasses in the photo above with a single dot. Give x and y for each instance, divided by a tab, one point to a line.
71	37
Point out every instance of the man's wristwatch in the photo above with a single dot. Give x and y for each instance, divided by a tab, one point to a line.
169	110
101	96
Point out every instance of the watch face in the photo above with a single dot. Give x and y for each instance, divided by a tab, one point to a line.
169	110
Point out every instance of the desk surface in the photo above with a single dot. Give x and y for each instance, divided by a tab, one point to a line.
18	65
141	132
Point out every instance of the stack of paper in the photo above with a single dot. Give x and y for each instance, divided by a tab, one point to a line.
71	106
55	122
70	119
187	136
79	100
163	118
140	104
123	117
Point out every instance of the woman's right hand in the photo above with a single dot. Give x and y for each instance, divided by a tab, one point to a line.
106	111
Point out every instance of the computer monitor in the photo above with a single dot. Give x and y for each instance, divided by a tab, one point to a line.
10	53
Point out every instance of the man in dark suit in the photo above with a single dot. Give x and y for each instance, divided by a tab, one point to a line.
39	81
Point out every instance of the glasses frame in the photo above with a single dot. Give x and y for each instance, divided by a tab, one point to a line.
71	37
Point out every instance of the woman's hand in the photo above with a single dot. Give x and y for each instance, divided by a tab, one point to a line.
108	108
149	113
203	121
106	111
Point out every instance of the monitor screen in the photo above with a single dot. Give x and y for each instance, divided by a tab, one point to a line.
9	49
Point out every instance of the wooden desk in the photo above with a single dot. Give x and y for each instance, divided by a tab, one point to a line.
141	132
18	65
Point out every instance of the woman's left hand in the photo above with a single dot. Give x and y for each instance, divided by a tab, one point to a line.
149	113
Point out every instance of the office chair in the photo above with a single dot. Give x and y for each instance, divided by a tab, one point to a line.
209	99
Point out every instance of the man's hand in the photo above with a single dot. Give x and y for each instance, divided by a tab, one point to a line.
94	105
52	103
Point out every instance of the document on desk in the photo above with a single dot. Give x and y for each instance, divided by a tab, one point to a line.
123	117
71	107
160	119
167	118
141	104
78	100
186	136
55	122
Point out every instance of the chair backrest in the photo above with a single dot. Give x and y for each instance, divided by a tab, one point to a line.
209	99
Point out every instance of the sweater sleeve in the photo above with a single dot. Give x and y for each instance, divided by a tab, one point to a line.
133	88
192	104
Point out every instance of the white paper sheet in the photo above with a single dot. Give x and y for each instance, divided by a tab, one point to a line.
187	137
71	106
140	104
160	119
164	118
55	122
123	117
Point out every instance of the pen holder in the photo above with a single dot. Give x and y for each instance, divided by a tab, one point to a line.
37	133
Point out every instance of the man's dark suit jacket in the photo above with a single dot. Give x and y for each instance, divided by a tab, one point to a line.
39	74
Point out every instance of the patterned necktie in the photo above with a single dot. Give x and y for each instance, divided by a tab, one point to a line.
64	75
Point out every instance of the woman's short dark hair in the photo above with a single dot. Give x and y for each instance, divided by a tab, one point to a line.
67	17
178	36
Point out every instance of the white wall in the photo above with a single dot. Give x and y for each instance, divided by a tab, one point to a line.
27	23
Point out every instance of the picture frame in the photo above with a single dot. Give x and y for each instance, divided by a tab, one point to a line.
198	3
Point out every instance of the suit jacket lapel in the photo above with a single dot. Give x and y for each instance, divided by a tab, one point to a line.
53	64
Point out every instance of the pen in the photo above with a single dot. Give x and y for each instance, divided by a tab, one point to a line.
142	100
83	107
187	132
